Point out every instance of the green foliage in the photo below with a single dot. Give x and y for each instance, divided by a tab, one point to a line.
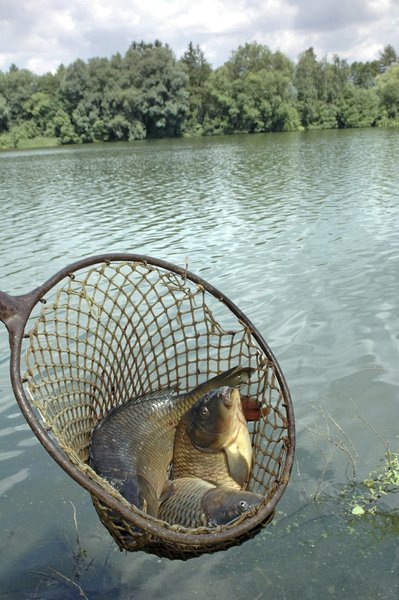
252	92
16	87
320	87
387	58
384	480
161	97
388	91
221	110
5	141
19	135
250	58
359	107
39	109
4	114
75	83
307	81
364	74
61	127
287	117
198	71
148	93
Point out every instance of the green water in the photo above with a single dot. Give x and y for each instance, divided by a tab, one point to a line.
302	232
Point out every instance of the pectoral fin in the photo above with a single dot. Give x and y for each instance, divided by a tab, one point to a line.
238	465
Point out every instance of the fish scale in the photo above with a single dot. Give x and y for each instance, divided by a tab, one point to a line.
193	502
216	445
183	504
189	461
132	446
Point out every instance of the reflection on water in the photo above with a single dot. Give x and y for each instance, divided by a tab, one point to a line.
300	230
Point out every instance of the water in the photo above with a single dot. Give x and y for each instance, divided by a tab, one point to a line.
301	231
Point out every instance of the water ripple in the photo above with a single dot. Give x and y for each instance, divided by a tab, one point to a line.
300	230
9	482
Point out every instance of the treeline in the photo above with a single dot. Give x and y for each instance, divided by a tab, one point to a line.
149	93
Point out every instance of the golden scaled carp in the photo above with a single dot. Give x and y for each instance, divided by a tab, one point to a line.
212	440
193	502
132	446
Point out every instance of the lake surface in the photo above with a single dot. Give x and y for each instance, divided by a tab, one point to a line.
301	231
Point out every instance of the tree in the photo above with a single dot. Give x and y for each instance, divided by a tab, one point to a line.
388	91
4	114
320	87
40	109
85	115
338	73
49	84
250	58
75	83
286	117
387	57
147	92
359	107
307	83
162	87
198	71
221	113
17	86
260	90
260	98
197	67
61	127
364	74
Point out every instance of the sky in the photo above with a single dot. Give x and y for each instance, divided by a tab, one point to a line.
42	34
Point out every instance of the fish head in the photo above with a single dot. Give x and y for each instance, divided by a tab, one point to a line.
224	504
212	421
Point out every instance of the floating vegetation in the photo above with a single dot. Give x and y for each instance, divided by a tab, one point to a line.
375	497
383	481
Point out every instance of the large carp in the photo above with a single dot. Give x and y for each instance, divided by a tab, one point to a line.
192	502
132	446
212	440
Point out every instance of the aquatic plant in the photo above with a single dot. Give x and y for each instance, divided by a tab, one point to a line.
384	480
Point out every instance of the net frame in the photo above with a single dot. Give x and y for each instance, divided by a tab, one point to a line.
81	332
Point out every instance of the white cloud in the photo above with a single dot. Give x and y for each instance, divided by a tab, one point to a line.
42	34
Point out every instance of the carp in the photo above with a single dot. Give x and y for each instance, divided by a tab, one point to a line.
132	446
193	502
212	440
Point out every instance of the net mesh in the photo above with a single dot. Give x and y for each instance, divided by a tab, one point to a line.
118	330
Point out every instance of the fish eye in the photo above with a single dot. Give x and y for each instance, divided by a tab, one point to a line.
243	505
204	411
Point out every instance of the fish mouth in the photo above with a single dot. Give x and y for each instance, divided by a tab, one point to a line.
226	396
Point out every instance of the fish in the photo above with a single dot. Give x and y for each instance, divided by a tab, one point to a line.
132	446
212	440
193	502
